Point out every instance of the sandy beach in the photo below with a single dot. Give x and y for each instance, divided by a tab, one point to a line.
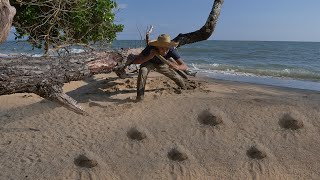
215	130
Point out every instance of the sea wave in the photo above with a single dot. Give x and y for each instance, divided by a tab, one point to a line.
292	73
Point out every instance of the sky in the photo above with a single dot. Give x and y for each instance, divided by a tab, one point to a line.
254	20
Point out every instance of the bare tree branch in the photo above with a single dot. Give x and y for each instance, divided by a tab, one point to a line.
7	13
149	31
206	31
45	76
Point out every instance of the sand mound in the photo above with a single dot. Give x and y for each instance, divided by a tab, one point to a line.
289	122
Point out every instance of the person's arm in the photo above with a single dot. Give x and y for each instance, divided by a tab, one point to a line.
178	65
145	56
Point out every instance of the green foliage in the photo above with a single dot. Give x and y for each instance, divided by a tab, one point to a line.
58	22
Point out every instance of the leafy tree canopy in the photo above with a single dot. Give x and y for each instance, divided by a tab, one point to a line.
60	22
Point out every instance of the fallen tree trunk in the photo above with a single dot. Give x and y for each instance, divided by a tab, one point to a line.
45	76
7	13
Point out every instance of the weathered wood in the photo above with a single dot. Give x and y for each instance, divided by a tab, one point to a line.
149	31
7	13
206	31
45	76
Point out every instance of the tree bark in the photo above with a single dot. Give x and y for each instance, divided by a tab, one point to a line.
45	76
7	13
206	31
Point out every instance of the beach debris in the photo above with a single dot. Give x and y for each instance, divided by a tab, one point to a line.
84	161
68	102
135	134
45	76
289	122
33	129
207	117
149	31
205	31
167	62
6	18
176	155
255	153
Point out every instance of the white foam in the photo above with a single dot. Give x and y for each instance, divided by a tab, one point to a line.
266	80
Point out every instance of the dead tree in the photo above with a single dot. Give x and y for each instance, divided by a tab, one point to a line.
45	76
7	13
206	31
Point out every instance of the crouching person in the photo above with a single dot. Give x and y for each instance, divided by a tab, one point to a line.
148	59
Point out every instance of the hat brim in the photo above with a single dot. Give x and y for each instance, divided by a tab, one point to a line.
163	44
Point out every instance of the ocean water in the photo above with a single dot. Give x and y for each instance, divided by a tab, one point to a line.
286	64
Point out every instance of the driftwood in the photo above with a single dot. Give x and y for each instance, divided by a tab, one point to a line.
45	76
7	13
206	31
167	62
149	31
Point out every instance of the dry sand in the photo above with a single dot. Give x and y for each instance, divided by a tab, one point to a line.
219	130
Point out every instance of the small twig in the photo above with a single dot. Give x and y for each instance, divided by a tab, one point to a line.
149	30
33	129
141	39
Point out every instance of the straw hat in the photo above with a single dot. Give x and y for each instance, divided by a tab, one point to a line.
163	40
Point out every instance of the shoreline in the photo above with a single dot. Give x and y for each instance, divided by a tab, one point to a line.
263	80
264	63
240	77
